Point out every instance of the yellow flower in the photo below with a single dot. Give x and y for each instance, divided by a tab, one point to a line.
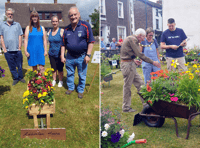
52	69
187	72
190	68
26	107
42	101
45	73
53	88
195	66
26	93
39	95
198	66
35	71
191	77
44	94
196	71
174	63
186	64
198	89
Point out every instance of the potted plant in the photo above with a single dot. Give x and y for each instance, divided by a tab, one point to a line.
115	57
40	93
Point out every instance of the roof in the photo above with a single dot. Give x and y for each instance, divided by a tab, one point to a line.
152	4
23	10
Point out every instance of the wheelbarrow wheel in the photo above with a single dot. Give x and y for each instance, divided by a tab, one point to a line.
152	121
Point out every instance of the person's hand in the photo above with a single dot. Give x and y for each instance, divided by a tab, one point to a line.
86	59
183	43
157	64
63	60
27	54
4	51
174	47
137	62
45	53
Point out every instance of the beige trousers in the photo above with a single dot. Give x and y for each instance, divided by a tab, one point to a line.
130	76
181	62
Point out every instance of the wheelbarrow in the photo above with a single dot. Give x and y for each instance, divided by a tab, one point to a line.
154	116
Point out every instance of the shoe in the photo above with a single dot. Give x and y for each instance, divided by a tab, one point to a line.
80	95
60	83
53	83
23	81
130	110
15	82
68	92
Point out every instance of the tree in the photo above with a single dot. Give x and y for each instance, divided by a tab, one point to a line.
95	22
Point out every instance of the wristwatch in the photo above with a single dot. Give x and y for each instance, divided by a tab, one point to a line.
89	55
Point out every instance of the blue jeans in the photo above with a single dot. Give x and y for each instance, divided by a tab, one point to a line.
15	59
71	64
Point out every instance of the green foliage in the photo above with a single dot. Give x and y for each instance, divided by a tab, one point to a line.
95	22
116	57
105	69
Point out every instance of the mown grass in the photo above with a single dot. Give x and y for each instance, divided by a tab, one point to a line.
80	117
164	137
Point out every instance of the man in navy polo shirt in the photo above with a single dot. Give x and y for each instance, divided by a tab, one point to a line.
78	40
170	40
11	39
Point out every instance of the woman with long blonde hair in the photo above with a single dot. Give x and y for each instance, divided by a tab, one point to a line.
35	43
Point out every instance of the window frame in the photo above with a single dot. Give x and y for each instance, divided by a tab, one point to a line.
122	9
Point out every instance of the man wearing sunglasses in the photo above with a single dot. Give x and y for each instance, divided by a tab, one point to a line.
11	40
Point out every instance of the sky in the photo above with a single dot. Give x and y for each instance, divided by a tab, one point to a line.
83	6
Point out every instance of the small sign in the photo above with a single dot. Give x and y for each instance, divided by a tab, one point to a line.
108	78
49	133
96	57
114	62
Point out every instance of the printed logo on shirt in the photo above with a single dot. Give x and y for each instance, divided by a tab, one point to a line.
79	33
68	34
173	37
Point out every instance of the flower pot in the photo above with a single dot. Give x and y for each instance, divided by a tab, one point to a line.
46	109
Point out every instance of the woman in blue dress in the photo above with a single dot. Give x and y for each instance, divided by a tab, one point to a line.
55	39
150	49
35	43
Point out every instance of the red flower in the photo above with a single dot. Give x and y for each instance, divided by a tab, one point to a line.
29	84
118	122
152	73
149	101
34	90
39	74
148	88
153	78
39	81
44	78
46	86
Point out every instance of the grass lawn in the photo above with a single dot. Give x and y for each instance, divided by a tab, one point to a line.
80	117
164	137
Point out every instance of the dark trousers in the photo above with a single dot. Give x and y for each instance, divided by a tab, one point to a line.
15	59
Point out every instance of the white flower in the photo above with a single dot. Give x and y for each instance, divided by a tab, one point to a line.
106	126
131	138
122	132
104	134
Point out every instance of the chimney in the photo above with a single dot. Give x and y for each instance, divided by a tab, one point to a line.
8	1
55	1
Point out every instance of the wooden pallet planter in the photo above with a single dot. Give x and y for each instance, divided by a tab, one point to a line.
45	110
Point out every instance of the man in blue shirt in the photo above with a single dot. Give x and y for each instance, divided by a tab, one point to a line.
113	44
103	46
173	40
11	39
78	40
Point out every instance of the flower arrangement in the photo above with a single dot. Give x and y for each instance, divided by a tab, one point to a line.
113	134
182	88
40	90
2	72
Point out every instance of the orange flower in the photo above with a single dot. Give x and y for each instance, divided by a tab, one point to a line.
148	88
149	101
157	72
152	73
161	71
153	78
166	71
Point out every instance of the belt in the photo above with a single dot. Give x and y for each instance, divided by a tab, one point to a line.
127	60
76	55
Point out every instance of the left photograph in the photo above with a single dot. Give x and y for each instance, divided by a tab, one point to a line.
49	73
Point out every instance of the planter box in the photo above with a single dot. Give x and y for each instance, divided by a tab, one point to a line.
164	108
46	109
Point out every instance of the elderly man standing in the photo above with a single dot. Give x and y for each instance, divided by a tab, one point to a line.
11	39
78	40
173	39
113	44
129	51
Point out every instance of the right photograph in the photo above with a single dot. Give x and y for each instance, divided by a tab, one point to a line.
150	73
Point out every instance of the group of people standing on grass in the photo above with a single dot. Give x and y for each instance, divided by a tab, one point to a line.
143	45
77	38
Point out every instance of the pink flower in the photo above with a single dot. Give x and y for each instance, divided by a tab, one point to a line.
171	95
174	99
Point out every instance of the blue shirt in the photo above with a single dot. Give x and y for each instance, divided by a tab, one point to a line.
113	45
77	41
174	38
11	35
103	45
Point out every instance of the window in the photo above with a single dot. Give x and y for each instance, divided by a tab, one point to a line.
120	10
157	24
40	15
103	7
121	31
156	12
47	16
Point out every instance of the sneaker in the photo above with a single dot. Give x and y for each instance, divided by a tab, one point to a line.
15	82
53	83
60	83
23	81
68	92
130	110
80	95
